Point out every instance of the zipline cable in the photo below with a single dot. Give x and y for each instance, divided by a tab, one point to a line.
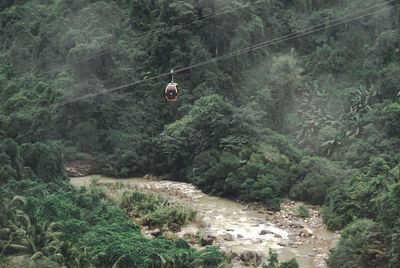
212	60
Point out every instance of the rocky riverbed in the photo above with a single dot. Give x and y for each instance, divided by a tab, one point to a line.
245	230
305	232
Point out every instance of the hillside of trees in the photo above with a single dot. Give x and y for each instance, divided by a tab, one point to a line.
314	118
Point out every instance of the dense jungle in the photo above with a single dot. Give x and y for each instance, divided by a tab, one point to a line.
278	99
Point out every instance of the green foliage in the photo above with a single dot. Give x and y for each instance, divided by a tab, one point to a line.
208	257
353	198
284	80
372	195
10	160
87	230
362	244
257	173
334	93
45	160
154	210
29	161
315	176
273	262
303	211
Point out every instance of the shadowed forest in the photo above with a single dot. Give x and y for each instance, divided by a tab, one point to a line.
313	116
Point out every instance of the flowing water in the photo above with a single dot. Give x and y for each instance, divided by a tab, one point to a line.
221	216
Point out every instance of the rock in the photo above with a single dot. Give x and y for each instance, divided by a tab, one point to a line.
174	227
277	236
207	240
212	236
79	168
306	232
297	224
230	230
156	232
187	235
292	236
237	262
150	177
283	244
264	232
239	236
77	172
228	237
251	257
225	252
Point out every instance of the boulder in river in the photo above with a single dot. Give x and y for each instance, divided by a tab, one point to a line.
207	240
151	177
264	232
306	232
79	168
251	257
228	237
237	262
156	232
174	227
297	224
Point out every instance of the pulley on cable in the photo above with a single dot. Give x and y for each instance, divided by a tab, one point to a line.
171	91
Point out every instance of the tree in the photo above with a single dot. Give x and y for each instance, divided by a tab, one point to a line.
284	79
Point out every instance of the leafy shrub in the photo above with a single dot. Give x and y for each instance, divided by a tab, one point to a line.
208	257
92	232
45	159
362	244
154	210
315	176
167	215
367	195
273	262
303	211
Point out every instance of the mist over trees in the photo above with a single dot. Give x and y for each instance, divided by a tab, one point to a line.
314	118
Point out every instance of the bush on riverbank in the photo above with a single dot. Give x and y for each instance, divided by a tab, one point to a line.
155	211
362	244
273	262
30	161
76	227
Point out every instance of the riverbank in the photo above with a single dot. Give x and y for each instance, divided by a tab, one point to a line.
245	230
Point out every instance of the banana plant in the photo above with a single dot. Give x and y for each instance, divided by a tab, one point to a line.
331	146
25	236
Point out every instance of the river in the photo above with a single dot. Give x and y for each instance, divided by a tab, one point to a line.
220	216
